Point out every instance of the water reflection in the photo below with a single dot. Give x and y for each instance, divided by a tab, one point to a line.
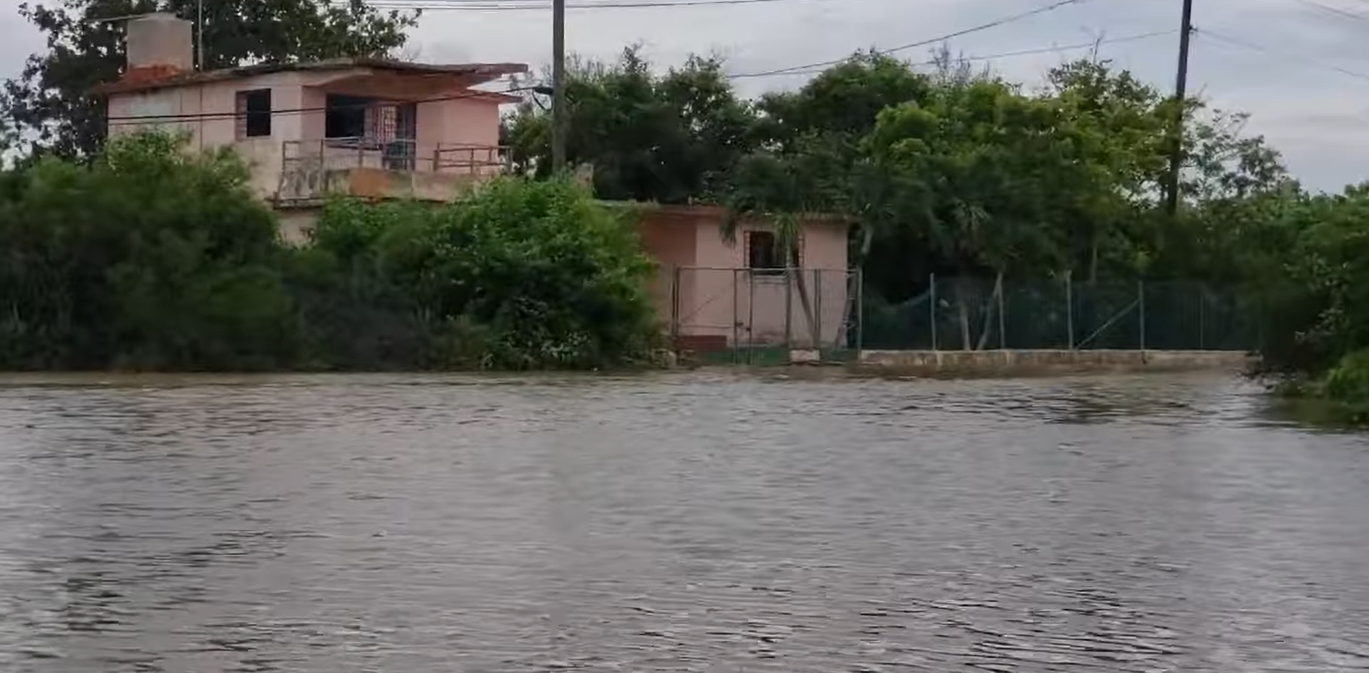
702	522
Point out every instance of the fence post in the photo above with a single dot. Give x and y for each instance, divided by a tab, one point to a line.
860	313
789	307
750	318
1141	308
1069	305
817	310
1202	316
1002	321
932	311
736	318
675	308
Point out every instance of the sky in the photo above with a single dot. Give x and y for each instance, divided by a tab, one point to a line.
1299	67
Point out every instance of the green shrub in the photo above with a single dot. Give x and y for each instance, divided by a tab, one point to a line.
148	258
153	258
516	275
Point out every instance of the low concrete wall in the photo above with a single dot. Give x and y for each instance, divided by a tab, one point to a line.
1045	362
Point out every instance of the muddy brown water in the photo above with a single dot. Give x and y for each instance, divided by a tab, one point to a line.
684	522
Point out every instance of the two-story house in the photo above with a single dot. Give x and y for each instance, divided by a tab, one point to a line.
380	129
367	127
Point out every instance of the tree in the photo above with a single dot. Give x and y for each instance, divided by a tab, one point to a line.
146	258
49	102
647	137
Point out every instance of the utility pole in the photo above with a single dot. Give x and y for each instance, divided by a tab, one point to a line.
558	85
199	23
1180	96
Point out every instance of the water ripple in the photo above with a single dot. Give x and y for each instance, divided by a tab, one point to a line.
701	522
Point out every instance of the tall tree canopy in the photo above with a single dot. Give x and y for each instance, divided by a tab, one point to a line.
649	137
48	104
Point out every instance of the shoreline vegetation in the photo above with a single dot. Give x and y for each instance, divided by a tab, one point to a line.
129	254
151	259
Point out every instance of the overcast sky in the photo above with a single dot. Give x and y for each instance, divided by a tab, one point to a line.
1317	116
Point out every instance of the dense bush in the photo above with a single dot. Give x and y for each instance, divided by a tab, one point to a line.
147	258
151	258
518	275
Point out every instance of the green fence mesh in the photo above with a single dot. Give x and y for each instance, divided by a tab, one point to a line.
980	313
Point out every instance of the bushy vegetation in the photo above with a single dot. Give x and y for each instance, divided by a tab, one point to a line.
151	258
142	257
953	171
519	275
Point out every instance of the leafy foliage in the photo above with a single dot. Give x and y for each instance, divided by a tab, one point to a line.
519	275
146	259
152	259
648	137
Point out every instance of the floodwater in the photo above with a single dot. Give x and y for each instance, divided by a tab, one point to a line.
693	522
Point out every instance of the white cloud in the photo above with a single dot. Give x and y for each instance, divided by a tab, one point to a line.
1315	115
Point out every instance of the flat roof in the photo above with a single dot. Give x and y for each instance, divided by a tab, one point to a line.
160	78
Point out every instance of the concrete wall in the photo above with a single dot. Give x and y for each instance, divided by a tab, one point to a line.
472	121
220	98
468	121
721	299
1047	362
671	245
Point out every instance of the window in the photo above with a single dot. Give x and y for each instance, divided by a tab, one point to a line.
762	250
345	116
764	253
254	113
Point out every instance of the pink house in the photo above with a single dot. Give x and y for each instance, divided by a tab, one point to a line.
717	292
367	127
380	129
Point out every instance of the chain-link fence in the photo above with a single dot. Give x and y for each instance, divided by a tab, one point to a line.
980	314
747	310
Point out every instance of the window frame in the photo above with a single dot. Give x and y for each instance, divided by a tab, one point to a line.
772	264
254	123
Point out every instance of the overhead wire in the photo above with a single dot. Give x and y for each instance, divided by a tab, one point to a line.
1285	54
922	43
810	68
1027	52
1335	12
542	5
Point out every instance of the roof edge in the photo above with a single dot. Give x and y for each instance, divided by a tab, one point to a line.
130	83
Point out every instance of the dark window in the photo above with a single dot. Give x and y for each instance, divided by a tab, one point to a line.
345	116
763	252
254	113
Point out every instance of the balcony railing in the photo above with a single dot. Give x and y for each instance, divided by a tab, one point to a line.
306	164
399	155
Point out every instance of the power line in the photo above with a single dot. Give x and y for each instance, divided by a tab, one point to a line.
922	43
1025	52
1285	54
1336	12
542	5
204	116
127	120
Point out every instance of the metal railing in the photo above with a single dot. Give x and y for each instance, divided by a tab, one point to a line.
394	154
741	310
306	164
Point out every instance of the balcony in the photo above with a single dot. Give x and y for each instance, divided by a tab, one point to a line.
369	168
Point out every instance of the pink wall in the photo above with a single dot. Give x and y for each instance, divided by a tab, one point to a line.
263	154
671	245
720	297
470	121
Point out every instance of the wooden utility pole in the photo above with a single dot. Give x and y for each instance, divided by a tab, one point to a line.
199	30
558	85
1180	96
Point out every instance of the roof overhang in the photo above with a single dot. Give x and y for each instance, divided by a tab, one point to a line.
449	76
